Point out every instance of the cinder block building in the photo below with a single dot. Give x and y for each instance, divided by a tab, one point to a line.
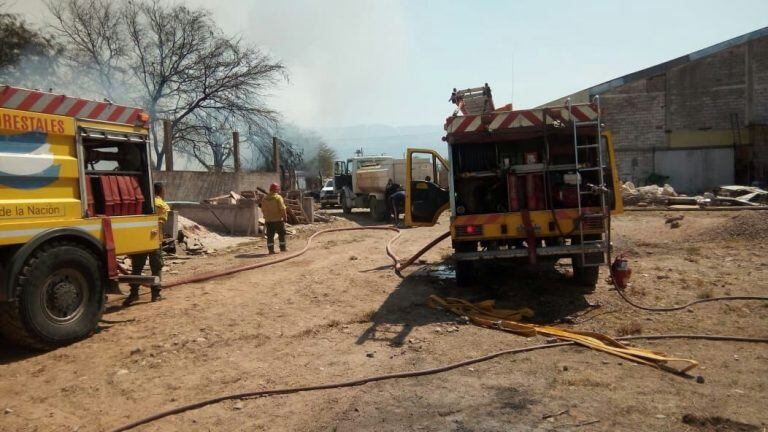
700	119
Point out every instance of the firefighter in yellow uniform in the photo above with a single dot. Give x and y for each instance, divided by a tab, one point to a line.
156	256
275	215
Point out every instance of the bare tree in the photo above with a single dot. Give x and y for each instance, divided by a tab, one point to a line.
187	66
95	41
207	138
181	64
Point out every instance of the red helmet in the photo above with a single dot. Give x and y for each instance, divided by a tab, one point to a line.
274	187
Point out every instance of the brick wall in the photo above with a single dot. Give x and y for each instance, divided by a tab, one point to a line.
758	53
700	95
634	113
704	93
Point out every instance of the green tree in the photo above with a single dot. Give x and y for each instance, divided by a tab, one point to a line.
324	159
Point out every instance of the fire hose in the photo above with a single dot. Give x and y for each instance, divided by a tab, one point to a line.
399	266
411	374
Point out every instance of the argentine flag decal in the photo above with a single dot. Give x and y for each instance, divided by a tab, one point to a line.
26	161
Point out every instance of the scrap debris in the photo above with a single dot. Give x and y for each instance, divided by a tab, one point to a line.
729	195
193	238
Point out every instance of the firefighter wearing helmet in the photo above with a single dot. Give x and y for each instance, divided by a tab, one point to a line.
275	216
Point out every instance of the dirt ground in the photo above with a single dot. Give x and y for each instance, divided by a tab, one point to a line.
339	312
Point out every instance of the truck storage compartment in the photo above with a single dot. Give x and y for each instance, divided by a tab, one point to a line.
535	172
116	164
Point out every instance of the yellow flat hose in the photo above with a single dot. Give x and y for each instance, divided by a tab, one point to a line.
484	314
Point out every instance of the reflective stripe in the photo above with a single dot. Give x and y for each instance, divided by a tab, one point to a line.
35	231
134	224
87	228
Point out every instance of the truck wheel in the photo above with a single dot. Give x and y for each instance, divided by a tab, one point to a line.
586	276
344	206
377	209
61	297
465	273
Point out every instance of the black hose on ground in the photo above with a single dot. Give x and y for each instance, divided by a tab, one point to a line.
398	265
681	307
411	374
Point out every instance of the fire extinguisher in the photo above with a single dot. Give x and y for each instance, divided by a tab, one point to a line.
620	271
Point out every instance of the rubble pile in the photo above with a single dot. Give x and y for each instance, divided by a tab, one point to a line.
722	196
194	238
646	195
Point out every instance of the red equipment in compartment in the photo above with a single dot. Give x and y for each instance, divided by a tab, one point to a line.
127	200
513	192
111	194
568	196
91	212
139	205
534	191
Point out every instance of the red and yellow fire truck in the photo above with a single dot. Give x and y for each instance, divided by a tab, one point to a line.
526	185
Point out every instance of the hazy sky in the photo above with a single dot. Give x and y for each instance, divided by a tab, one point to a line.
394	62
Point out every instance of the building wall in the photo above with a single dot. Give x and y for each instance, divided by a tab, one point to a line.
199	185
634	113
235	219
709	102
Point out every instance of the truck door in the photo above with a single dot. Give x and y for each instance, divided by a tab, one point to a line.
426	187
341	176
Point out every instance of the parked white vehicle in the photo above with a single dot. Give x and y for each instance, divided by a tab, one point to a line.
361	181
328	195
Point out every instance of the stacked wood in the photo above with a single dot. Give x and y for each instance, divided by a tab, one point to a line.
295	212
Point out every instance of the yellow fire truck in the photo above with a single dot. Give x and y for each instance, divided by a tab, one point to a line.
527	185
75	192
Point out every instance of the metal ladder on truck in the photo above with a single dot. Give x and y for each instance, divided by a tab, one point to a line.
604	216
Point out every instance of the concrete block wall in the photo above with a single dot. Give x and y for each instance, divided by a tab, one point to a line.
700	95
234	219
759	136
634	113
703	94
199	185
758	52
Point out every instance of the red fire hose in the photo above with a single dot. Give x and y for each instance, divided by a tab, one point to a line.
398	265
211	275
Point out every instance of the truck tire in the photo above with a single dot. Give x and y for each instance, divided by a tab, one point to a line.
465	273
377	209
585	276
61	297
344	206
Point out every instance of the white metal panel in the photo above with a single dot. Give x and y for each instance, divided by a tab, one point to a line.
693	171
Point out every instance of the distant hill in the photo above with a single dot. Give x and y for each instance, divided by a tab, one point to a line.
378	139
